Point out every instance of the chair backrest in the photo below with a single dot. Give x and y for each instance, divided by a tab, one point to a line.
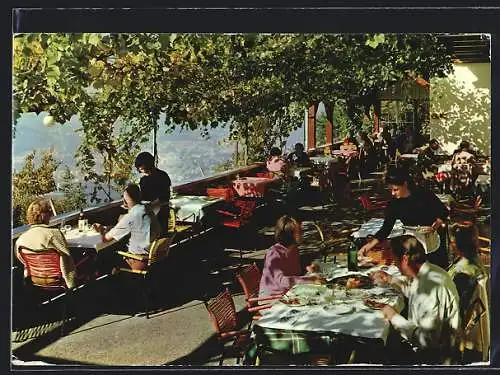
365	201
222	312
249	280
225	193
247	207
172	219
466	288
158	250
41	264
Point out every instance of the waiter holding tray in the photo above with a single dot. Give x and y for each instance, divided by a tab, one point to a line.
416	207
155	187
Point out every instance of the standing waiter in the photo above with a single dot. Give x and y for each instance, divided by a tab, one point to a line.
155	187
414	206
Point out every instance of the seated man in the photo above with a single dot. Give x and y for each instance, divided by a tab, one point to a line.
299	156
433	324
427	155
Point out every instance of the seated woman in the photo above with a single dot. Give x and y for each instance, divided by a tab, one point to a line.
467	271
140	222
40	237
282	262
464	244
276	164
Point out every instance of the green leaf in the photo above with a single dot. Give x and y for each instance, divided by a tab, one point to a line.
94	39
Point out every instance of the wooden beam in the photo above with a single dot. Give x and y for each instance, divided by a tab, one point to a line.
311	126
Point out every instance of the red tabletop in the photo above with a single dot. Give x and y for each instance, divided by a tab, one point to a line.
345	153
251	186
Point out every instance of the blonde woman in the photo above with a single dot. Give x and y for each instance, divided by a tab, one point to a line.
40	237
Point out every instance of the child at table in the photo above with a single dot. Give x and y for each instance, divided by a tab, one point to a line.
282	261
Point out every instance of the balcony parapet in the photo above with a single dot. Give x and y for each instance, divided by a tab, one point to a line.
108	212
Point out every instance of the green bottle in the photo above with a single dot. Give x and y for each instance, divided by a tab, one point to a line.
352	257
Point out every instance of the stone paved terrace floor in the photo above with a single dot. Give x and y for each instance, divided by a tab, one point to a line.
106	332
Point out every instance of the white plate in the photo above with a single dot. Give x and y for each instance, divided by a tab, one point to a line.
339	309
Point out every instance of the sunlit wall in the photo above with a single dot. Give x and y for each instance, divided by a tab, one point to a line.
460	107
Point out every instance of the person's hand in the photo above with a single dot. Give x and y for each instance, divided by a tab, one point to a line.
437	224
381	278
388	312
319	280
363	251
98	227
312	268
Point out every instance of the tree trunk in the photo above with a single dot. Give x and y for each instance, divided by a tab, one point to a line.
155	145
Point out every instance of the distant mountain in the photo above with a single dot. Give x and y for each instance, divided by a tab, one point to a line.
184	154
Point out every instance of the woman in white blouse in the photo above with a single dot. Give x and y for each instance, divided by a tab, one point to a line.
140	222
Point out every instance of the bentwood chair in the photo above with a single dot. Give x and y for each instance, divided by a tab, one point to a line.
233	341
158	251
249	280
238	217
43	270
370	205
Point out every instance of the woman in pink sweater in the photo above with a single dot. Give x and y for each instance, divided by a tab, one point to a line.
282	262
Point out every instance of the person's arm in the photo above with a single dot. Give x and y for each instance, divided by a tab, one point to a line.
276	263
383	232
58	242
423	330
439	210
120	230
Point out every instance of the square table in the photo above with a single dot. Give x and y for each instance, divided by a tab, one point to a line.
409	156
88	239
192	208
296	171
345	153
326	313
322	159
252	186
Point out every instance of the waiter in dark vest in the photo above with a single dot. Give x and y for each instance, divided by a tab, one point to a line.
155	187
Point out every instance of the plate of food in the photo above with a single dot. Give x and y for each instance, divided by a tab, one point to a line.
293	301
376	305
339	309
354	281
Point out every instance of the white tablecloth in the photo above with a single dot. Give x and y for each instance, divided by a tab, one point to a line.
322	159
296	171
409	156
89	239
192	208
373	225
334	311
444	168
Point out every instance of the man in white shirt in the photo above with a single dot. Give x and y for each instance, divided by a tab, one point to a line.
433	324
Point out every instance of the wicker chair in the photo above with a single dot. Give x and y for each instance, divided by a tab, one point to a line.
158	251
225	322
